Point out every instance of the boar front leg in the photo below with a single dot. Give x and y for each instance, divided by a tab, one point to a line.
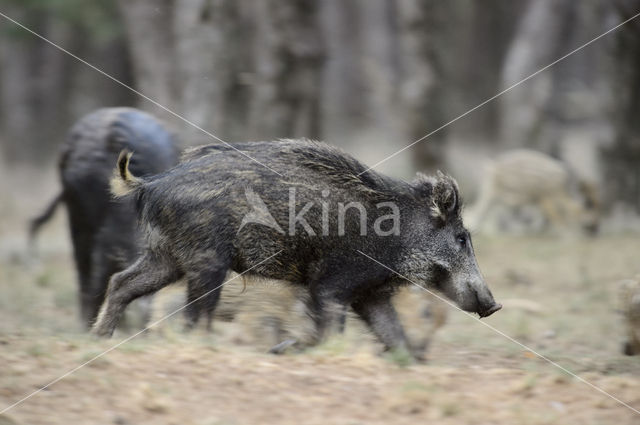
378	312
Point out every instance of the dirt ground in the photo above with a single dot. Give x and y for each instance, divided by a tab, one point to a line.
559	295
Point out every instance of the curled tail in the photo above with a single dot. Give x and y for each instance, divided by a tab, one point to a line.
37	222
123	182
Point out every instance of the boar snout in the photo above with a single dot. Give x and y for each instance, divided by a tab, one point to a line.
485	305
475	297
488	312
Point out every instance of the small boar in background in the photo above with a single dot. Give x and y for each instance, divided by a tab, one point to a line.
221	211
103	229
537	192
629	299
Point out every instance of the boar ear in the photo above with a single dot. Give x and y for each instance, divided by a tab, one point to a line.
445	198
423	185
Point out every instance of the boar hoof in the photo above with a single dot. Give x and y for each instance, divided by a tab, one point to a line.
419	351
102	333
282	347
627	349
420	358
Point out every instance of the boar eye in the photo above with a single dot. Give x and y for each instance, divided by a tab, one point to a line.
462	240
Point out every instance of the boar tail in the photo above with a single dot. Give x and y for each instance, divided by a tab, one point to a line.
36	223
123	182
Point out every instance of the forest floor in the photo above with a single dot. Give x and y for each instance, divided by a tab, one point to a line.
560	301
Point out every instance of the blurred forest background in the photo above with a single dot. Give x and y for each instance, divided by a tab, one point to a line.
371	76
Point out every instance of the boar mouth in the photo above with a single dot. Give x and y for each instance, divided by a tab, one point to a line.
490	310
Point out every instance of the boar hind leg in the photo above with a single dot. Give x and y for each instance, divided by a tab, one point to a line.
378	312
551	209
203	292
82	238
102	270
147	275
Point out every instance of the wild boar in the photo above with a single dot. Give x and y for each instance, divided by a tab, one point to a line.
306	213
525	179
103	229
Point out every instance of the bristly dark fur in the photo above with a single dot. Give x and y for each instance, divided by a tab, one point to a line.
344	169
325	159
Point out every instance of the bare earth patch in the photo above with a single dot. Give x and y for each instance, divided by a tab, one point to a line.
192	384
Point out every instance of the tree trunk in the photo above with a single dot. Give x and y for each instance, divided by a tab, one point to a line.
209	47
477	71
289	61
622	174
344	105
17	89
380	57
542	37
149	30
421	26
192	57
43	90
